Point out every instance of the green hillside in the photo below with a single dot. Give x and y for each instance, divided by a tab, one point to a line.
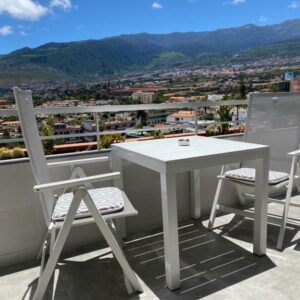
93	59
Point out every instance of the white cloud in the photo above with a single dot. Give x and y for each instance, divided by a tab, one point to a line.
237	2
6	30
294	5
263	19
23	9
63	4
156	5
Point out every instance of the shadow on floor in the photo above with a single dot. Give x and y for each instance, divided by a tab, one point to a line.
99	277
208	262
241	228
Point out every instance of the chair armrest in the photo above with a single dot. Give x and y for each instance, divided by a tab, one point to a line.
76	182
294	153
77	162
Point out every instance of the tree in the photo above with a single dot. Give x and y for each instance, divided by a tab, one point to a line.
225	115
143	116
243	88
159	97
6	133
242	95
50	122
47	130
107	140
37	101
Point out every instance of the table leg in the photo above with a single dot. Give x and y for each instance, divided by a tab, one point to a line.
195	194
117	166
170	227
261	206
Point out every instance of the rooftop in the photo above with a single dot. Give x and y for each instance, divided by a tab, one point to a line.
183	114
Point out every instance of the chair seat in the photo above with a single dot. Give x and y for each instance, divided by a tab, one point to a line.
248	175
107	200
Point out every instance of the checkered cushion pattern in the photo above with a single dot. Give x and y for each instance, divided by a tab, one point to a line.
248	174
107	200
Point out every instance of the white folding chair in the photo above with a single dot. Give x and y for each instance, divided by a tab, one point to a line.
82	205
274	120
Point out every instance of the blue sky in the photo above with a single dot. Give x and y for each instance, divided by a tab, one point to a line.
30	23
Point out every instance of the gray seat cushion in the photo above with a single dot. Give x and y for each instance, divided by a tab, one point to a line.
248	174
107	200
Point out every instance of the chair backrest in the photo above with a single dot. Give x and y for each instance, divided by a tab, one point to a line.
274	120
34	147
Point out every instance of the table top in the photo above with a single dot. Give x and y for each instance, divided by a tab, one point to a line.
167	151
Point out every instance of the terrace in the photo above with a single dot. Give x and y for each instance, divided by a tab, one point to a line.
216	264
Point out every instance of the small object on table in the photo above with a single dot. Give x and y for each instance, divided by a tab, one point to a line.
184	142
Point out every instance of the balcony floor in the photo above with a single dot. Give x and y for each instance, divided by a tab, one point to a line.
215	265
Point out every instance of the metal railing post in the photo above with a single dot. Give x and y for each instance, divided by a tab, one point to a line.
196	120
97	130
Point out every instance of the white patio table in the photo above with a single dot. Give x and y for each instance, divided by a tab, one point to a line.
166	157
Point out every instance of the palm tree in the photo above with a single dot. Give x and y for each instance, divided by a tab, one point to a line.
242	95
143	116
47	130
225	115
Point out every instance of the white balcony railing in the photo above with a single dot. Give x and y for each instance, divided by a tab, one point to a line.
96	110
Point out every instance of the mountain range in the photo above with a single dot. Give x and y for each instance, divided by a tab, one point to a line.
97	58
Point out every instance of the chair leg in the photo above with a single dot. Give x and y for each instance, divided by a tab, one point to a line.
52	237
114	229
43	256
298	173
241	194
129	287
120	225
113	244
287	205
40	253
60	241
215	202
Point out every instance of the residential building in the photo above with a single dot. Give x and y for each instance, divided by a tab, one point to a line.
184	116
117	125
295	85
239	114
3	102
64	129
156	118
289	75
143	97
12	125
215	97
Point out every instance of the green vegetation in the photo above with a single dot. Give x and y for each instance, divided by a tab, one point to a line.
48	145
143	117
225	115
6	153
208	59
18	153
6	134
159	97
158	134
167	59
107	140
286	49
213	130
